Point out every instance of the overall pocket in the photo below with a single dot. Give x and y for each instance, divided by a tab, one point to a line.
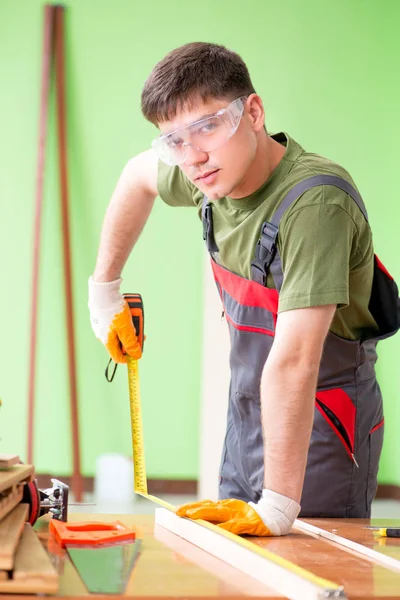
329	471
339	411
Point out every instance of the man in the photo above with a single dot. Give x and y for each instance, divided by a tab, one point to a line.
292	255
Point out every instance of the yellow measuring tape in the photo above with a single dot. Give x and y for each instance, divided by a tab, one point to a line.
140	487
139	464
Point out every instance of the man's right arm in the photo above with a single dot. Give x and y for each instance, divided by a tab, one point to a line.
126	215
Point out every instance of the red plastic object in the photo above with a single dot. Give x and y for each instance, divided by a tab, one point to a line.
90	533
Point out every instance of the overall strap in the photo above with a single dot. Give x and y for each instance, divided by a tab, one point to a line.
208	231
266	248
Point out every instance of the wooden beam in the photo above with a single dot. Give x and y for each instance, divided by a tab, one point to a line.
61	100
349	545
288	579
213	565
10	499
33	572
16	474
8	460
10	532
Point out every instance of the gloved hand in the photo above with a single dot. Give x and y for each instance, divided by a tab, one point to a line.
273	515
111	320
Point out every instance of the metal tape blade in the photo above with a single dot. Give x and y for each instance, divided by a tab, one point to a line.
140	479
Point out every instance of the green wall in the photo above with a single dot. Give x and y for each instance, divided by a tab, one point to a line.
328	74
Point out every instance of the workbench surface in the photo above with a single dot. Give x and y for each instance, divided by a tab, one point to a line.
170	567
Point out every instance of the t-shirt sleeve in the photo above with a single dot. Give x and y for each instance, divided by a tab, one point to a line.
316	245
174	188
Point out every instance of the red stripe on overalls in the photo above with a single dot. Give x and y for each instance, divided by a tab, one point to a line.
381	424
246	291
248	328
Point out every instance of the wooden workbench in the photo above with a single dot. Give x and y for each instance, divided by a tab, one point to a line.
170	567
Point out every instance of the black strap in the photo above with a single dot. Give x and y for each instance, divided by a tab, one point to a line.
267	245
208	230
308	184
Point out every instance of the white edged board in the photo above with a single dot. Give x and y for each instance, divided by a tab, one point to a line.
286	578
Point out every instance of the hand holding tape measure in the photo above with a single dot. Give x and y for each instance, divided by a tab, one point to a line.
128	335
111	316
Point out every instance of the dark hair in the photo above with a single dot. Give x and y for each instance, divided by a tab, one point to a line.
194	70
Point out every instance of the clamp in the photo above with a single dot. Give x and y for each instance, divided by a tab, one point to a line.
52	500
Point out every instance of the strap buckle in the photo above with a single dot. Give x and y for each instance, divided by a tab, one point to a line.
206	222
208	234
265	252
258	273
269	235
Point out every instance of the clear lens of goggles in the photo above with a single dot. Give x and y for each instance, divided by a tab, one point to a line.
206	134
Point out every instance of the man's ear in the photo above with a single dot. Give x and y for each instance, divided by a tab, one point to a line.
255	109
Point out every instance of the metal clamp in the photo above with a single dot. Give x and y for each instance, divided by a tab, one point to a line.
54	500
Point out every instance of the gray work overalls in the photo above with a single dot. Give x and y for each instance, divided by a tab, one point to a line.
347	436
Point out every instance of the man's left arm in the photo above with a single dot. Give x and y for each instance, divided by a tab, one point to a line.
316	246
288	387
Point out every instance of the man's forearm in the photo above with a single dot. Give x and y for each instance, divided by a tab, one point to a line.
287	401
125	218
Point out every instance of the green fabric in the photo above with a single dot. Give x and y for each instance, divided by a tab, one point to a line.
324	241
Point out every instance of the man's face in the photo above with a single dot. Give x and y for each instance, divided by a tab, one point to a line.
219	172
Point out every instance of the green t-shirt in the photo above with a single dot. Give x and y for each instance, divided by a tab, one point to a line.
324	241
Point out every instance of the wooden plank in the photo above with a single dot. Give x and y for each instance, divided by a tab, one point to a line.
8	460
361	578
16	474
9	500
278	573
3	575
217	568
350	545
33	571
10	532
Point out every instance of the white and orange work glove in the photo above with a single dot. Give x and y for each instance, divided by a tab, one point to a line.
111	320
273	515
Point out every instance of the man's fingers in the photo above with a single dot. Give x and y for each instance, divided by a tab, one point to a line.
217	514
234	526
113	346
243	527
126	332
132	347
183	510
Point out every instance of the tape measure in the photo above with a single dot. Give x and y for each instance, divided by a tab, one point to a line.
139	464
135	304
140	477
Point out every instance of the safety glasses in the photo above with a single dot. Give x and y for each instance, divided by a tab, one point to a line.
205	134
